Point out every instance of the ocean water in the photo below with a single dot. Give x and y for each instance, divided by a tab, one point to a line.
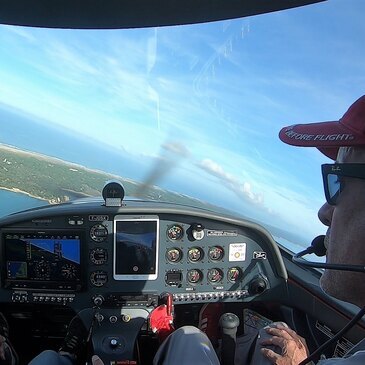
11	202
25	132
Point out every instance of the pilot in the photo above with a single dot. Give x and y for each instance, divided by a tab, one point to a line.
343	214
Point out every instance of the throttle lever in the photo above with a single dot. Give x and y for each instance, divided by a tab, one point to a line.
168	301
228	323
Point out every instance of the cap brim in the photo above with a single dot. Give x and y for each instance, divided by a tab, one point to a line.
330	152
326	136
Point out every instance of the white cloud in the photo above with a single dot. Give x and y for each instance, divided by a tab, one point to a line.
177	149
215	169
242	189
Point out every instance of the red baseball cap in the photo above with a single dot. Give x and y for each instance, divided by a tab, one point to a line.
329	136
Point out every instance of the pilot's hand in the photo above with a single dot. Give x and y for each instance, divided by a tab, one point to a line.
95	360
293	347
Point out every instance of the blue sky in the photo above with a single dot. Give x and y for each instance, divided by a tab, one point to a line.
215	95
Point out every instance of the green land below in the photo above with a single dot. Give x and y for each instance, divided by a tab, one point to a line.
57	181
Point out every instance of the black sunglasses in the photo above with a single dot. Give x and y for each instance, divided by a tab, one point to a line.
333	181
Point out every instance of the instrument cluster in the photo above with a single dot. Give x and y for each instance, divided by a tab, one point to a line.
195	254
70	256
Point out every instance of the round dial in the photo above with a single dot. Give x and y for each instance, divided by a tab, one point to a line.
42	270
194	276
113	190
195	254
173	254
98	278
175	232
234	274
98	233
69	271
98	256
216	253
215	275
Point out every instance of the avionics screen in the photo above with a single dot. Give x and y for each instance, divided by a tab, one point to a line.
135	249
42	260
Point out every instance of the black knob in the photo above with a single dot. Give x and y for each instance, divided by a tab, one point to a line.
198	227
98	300
114	343
257	286
196	231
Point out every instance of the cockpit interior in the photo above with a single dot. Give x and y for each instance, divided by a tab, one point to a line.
113	261
112	257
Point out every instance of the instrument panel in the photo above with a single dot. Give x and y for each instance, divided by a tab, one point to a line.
88	254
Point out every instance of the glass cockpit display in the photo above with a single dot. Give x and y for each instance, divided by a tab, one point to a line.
135	249
37	260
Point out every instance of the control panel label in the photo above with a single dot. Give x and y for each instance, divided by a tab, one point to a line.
237	252
98	218
222	233
259	255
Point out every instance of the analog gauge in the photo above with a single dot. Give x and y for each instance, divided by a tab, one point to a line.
173	254
98	256
234	274
42	270
175	232
98	278
69	271
194	276
216	253
195	254
98	233
215	275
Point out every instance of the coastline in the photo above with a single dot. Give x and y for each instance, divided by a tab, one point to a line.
15	190
91	181
50	160
69	164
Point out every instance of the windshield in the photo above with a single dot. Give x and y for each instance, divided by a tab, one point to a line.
186	114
